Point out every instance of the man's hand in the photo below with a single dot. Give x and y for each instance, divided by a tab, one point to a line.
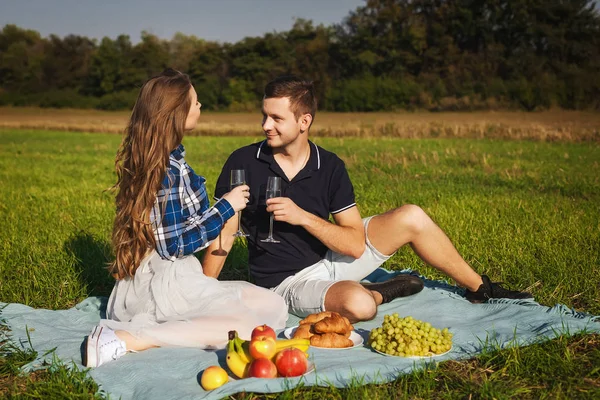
285	210
346	236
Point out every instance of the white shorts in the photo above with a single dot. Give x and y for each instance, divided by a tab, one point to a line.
305	291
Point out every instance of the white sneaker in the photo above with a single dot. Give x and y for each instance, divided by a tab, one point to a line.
103	346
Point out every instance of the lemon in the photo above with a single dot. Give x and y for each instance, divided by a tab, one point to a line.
213	377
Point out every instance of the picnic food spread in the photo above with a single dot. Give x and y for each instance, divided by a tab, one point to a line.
264	356
409	337
325	329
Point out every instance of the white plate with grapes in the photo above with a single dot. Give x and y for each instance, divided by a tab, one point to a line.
409	338
355	337
428	355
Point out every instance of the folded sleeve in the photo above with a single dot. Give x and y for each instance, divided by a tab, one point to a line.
341	191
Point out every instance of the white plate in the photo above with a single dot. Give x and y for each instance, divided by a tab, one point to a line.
355	337
430	356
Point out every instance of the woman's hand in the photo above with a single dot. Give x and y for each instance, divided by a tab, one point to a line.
238	197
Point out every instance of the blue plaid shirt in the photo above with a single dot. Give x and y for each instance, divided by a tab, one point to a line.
189	223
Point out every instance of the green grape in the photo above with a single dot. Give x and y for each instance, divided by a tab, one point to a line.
409	337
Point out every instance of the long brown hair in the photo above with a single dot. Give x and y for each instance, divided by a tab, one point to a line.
155	128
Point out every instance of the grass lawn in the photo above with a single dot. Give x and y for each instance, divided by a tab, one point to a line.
523	212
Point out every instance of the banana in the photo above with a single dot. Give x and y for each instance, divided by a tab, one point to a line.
234	361
238	355
242	348
302	344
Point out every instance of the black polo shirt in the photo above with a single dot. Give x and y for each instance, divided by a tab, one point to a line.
322	188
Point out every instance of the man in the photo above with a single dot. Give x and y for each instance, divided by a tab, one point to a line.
318	265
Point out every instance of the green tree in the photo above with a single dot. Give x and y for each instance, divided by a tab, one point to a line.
105	65
209	70
311	48
384	55
150	56
67	61
21	58
182	49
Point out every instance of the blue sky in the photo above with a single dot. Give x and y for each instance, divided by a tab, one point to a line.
220	20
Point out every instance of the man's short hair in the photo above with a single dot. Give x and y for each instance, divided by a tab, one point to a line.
300	92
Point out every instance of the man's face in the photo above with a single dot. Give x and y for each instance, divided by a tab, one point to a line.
279	123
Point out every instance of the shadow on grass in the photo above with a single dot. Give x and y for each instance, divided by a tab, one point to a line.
91	256
236	264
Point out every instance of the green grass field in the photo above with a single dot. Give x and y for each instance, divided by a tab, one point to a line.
526	213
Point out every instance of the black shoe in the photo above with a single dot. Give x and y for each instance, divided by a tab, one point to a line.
399	286
490	290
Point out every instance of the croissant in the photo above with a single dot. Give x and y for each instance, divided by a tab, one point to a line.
347	321
333	324
330	340
304	331
312	318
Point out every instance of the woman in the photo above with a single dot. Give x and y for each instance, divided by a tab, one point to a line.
162	297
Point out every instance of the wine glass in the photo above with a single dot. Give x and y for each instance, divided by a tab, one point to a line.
273	190
238	178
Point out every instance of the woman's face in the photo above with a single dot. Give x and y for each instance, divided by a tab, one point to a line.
194	113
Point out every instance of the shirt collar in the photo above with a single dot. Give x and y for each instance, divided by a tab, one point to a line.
265	153
179	152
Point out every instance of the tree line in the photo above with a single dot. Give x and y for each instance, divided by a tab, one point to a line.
385	55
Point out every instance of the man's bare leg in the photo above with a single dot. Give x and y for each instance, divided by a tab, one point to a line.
352	300
409	224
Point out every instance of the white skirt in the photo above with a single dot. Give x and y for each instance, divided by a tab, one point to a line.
172	303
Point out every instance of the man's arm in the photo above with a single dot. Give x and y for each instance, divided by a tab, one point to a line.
213	264
346	236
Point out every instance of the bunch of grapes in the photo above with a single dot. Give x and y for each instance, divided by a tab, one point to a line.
407	337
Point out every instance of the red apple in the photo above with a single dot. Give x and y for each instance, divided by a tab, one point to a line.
262	368
263	331
263	348
291	362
